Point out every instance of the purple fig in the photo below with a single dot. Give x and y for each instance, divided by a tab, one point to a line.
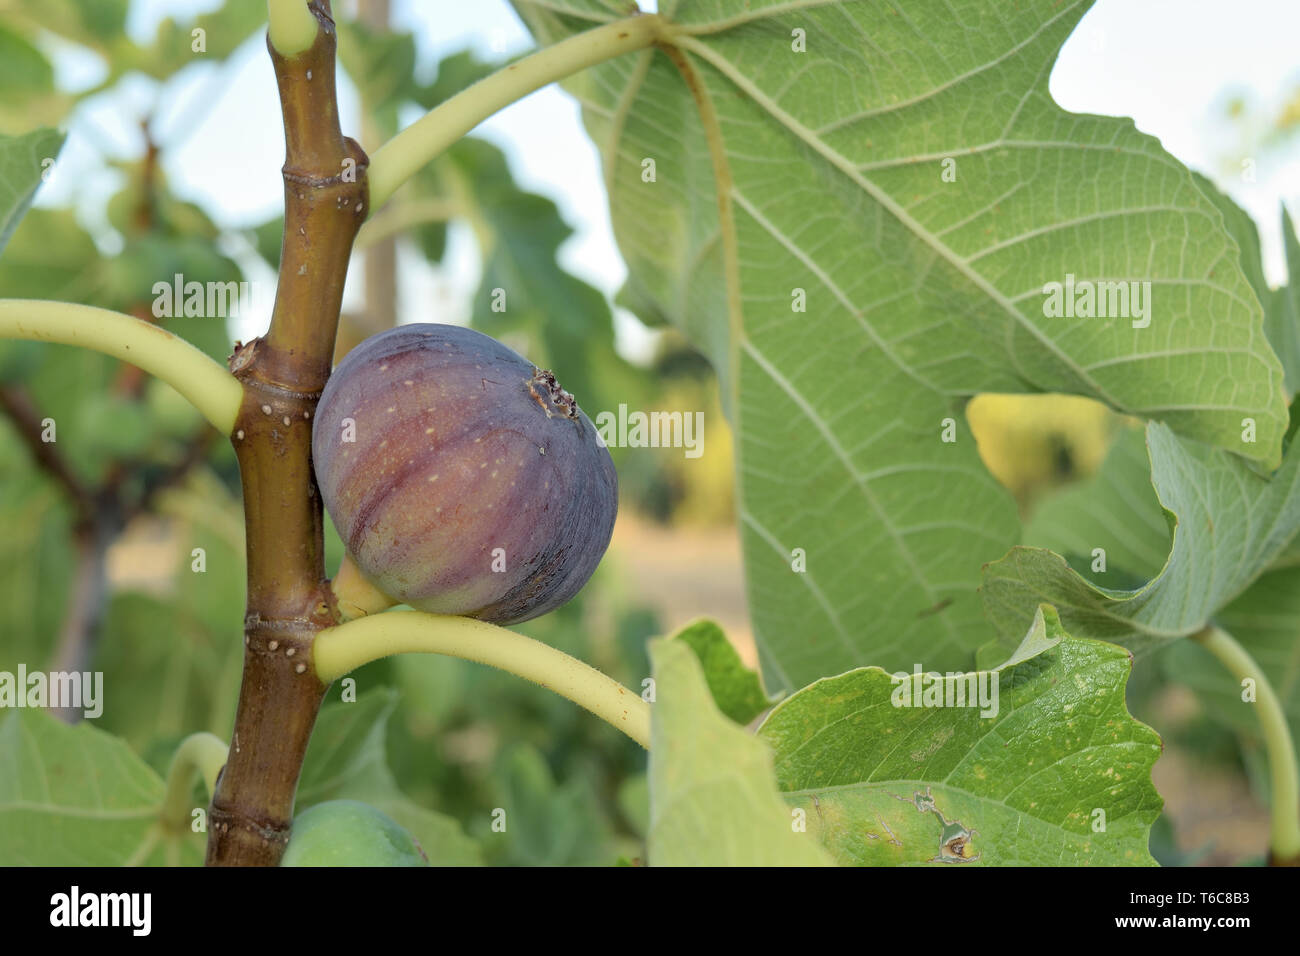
462	478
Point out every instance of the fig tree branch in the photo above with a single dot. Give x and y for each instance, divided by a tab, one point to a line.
1284	775
208	387
282	373
403	155
341	649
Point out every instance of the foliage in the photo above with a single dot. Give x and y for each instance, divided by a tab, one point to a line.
856	235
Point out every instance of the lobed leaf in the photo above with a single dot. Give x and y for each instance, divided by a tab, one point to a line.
1058	775
1229	525
822	173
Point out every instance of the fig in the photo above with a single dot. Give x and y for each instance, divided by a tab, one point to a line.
462	478
350	833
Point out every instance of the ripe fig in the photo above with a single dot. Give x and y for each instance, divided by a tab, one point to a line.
462	479
350	833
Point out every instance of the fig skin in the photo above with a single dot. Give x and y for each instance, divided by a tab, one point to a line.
350	833
462	446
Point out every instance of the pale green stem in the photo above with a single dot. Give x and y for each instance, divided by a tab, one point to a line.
292	27
209	387
407	214
403	155
340	649
202	753
1283	771
355	594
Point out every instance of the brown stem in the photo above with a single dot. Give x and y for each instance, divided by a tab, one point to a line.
289	601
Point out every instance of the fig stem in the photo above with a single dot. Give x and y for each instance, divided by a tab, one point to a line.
203	382
340	649
402	156
1284	774
356	596
291	27
203	753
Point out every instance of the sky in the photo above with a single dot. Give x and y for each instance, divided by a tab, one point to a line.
1170	64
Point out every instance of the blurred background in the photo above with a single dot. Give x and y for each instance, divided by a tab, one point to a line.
172	166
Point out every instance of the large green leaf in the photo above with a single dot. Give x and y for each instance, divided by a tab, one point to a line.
77	796
886	784
1231	525
345	760
919	290
712	797
22	163
1281	306
1243	232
